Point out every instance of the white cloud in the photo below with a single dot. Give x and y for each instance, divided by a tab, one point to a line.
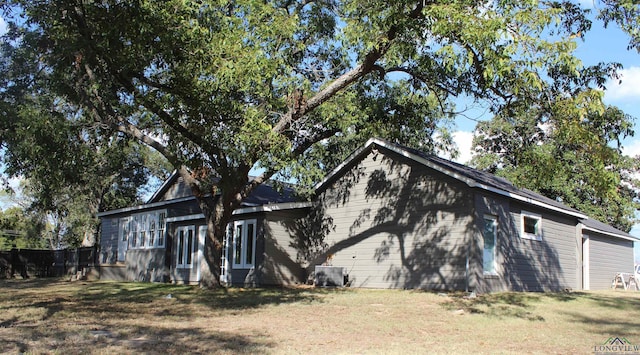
627	89
631	149
462	140
14	199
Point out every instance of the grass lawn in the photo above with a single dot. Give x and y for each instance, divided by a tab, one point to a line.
53	316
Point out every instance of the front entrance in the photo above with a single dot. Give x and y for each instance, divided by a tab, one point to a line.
187	254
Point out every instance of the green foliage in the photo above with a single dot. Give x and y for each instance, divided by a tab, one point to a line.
625	14
21	229
578	162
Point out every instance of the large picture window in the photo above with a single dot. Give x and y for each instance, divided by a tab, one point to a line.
489	235
145	230
244	244
530	226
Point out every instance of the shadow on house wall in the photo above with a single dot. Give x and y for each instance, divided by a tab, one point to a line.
395	223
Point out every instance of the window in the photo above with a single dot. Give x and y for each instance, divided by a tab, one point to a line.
530	226
244	244
145	230
161	223
185	247
133	232
489	235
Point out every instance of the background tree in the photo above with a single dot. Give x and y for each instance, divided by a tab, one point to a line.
70	169
21	229
567	153
221	88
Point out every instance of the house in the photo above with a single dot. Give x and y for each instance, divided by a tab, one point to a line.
164	239
391	217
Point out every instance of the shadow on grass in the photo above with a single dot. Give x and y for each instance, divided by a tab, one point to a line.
120	299
102	310
499	305
216	299
137	339
22	284
523	305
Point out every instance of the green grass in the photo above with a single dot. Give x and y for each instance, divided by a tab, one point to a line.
53	316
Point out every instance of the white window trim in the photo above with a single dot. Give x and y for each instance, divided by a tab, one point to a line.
184	248
224	262
531	236
243	263
136	227
494	219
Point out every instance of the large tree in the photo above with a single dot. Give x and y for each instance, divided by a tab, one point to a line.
221	88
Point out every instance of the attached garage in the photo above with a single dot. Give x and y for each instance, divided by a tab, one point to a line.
605	252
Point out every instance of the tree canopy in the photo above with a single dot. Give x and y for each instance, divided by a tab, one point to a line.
588	173
284	87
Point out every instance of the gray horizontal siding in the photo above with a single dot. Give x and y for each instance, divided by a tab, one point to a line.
397	224
108	240
524	264
608	256
146	265
177	190
548	264
279	262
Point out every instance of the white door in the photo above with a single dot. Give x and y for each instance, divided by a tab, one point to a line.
585	262
186	247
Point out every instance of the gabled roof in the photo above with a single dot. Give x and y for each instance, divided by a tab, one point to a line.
472	177
264	194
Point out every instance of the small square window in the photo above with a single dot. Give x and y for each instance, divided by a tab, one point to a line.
531	226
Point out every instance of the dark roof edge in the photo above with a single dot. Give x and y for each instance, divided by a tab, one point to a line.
469	181
603	228
165	185
144	206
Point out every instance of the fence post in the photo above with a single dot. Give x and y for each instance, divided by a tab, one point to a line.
12	259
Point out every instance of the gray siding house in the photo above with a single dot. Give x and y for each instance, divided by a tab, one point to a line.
391	217
164	239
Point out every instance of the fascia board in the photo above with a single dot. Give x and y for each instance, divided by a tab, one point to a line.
145	206
631	238
470	182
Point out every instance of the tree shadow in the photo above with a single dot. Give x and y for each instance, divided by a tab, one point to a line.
403	225
95	314
397	223
498	305
137	339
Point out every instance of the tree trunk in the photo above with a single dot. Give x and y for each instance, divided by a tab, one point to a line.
216	218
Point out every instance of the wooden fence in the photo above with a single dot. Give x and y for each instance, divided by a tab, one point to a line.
47	263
